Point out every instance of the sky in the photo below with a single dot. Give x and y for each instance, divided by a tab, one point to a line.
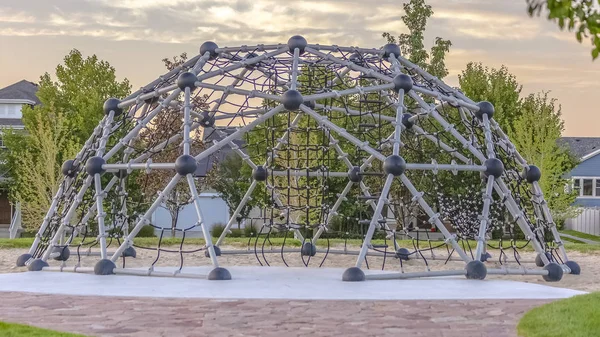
134	35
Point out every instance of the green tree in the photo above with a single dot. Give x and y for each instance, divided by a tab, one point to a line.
581	16
411	44
71	107
498	86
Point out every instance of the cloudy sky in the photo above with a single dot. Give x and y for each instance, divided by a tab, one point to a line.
134	35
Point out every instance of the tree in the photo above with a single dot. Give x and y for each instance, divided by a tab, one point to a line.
579	15
497	86
71	107
411	44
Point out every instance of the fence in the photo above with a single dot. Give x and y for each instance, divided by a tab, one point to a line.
587	222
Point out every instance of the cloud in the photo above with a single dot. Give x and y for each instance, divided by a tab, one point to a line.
8	15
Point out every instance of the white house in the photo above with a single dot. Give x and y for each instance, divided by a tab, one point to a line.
12	100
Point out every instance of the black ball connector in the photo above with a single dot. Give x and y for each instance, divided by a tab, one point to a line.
493	167
185	164
476	270
22	260
112	104
210	47
404	82
485	108
310	104
354	175
37	265
208	121
394	165
187	80
532	174
292	99
356	59
94	165
353	274
68	168
406	121
259	173
574	266
216	249
297	41
219	274
151	100
308	249
403	254
538	259
390	49
555	272
104	267
251	55
485	257
63	253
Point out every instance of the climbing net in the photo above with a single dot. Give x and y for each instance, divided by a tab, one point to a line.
339	144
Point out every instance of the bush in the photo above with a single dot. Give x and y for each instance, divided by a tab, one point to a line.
249	231
146	232
217	230
236	233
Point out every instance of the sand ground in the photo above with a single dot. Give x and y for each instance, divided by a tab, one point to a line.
587	281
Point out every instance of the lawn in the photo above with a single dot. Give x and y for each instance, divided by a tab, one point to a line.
20	330
577	316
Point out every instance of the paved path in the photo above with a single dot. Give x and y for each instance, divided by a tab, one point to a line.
147	317
588	241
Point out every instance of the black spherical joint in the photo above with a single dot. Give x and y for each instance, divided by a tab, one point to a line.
208	121
211	48
574	266
68	168
356	59
219	274
476	270
406	121
37	265
104	267
390	49
250	56
485	257
63	253
297	41
185	164
187	80
485	108
395	165
112	104
151	100
311	104
403	254
94	165
353	274
532	174
308	249
259	173
22	260
217	251
354	175
493	167
292	99
129	252
538	259
404	82
555	272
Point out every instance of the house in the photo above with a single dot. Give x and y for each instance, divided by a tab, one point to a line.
12	100
585	179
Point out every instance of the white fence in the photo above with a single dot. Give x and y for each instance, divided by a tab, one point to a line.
587	222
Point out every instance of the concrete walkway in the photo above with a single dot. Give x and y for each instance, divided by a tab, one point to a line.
149	317
588	241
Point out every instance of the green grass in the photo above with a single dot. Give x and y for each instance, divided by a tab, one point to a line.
577	316
582	235
20	330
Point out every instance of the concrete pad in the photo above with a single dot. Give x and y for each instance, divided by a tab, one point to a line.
277	283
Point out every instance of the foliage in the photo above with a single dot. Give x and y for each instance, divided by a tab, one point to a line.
20	330
535	135
217	230
70	109
498	86
582	16
146	232
411	44
578	316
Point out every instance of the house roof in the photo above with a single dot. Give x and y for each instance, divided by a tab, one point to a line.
582	147
22	90
206	164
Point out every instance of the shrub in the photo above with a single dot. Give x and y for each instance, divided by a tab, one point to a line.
146	232
236	233
249	231
217	230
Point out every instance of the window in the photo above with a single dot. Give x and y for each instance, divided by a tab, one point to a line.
588	187
577	186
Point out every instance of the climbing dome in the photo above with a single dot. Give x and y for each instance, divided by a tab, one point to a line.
338	140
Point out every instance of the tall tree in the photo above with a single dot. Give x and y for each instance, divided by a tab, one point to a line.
412	46
71	107
497	86
582	16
